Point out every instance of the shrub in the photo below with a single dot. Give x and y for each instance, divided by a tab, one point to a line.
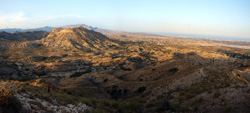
182	93
223	99
125	91
213	103
228	108
189	95
184	109
98	110
180	99
227	84
123	108
173	70
141	89
114	104
151	104
209	91
196	108
217	94
174	106
8	102
87	102
134	106
237	86
105	80
104	102
197	101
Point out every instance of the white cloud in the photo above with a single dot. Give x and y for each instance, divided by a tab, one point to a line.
19	17
11	19
21	20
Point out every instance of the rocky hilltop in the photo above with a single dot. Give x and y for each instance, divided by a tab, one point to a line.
79	38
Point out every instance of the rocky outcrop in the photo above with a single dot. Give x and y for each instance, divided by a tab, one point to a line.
30	104
42	106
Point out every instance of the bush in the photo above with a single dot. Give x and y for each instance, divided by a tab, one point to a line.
123	108
173	71
217	94
151	104
197	101
141	89
125	91
105	102
98	110
180	99
189	95
114	104
105	80
174	106
134	106
196	108
184	109
228	108
213	103
8	102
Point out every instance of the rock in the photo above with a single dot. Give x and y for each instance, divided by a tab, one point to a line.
70	105
65	109
38	105
48	109
26	105
45	104
82	108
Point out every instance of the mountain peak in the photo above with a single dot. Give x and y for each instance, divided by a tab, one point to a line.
78	38
56	29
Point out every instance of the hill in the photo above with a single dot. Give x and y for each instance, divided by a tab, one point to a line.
10	30
79	38
22	36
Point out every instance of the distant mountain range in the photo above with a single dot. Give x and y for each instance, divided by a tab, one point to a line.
10	30
101	30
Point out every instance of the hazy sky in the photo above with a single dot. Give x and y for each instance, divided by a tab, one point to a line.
212	17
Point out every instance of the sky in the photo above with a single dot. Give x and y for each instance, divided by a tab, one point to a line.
202	17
